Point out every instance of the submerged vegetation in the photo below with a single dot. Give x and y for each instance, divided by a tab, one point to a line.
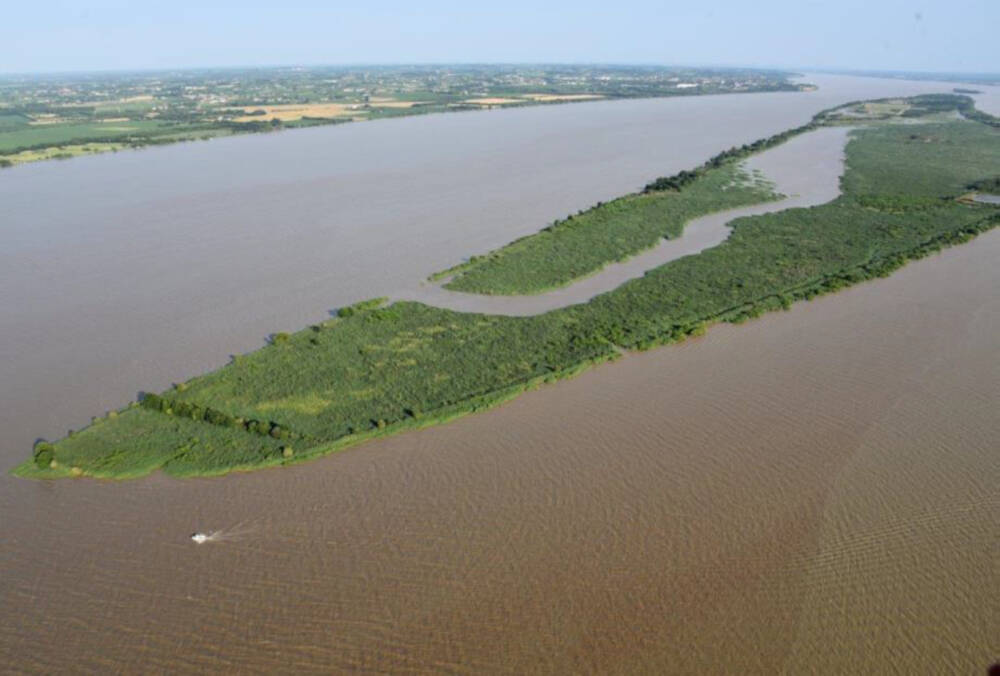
377	369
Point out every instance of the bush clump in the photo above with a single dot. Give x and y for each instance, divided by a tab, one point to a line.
213	416
370	304
44	454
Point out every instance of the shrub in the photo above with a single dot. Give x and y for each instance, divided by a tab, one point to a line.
259	426
44	454
153	401
217	417
361	306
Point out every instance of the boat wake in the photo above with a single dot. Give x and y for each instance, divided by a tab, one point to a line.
237	532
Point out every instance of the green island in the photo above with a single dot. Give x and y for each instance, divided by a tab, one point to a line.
378	368
63	116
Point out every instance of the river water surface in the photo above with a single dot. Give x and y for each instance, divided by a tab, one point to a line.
814	490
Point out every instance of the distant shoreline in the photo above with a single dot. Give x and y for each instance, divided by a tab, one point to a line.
42	126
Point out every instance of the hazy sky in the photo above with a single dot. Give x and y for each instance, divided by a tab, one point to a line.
958	35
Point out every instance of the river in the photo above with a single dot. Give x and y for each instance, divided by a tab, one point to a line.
738	500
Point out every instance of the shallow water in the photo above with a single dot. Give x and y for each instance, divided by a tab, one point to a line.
814	485
806	169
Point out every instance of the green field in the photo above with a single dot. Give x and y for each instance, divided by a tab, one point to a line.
380	370
38	136
12	122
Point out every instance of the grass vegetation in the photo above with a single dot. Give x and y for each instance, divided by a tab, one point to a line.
376	369
62	152
44	136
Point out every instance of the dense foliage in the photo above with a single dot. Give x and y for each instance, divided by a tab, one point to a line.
929	160
990	185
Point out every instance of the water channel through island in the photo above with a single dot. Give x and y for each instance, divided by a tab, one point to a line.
806	170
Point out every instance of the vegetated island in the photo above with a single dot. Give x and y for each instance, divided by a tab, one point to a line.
63	116
379	369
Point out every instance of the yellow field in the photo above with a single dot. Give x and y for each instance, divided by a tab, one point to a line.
493	101
389	103
886	108
111	103
563	97
296	111
45	118
288	112
532	98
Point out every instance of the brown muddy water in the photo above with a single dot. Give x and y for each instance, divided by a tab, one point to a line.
814	491
811	491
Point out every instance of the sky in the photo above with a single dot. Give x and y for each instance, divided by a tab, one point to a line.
917	35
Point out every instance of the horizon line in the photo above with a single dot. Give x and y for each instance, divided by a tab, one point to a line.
426	64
